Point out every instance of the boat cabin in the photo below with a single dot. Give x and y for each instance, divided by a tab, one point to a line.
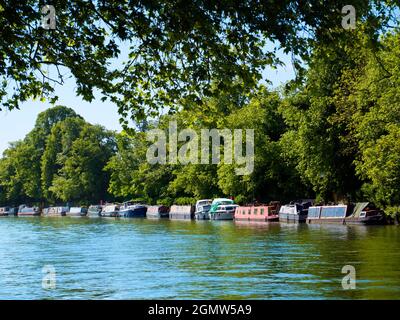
258	213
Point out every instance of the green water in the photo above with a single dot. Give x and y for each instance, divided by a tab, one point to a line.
151	259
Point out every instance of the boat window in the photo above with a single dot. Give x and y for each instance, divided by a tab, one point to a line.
333	212
255	211
362	214
313	212
249	212
262	211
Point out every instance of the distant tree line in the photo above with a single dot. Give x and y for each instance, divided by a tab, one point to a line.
60	160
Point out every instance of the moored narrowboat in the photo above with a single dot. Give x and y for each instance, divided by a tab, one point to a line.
366	213
8	211
181	212
132	210
360	213
294	212
25	211
110	210
94	211
77	212
264	213
222	209
55	211
202	209
157	212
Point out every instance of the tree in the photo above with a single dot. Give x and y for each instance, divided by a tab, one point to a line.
61	159
58	148
376	94
176	48
81	178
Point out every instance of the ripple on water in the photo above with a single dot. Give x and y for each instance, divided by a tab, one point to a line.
152	259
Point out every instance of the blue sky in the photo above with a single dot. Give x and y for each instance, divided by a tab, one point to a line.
15	124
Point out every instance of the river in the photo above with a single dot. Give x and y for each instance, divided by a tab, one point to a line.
162	259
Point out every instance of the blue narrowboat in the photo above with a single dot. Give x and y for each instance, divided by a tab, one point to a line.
132	210
359	213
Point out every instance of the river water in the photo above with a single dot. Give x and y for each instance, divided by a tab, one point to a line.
162	259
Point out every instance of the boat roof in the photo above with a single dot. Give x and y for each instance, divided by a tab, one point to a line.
204	200
222	199
360	206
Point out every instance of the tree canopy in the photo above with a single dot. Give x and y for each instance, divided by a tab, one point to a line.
332	133
175	49
60	160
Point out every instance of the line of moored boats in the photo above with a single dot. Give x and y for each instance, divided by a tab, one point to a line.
218	209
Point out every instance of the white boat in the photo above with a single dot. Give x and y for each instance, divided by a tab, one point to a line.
202	209
77	212
294	212
222	209
55	211
110	210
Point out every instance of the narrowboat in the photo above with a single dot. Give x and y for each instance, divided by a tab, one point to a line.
366	213
222	209
360	213
262	213
132	210
157	212
110	210
25	211
8	211
202	209
77	212
55	211
294	212
181	212
94	211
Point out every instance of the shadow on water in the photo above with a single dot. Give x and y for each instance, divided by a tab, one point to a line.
97	258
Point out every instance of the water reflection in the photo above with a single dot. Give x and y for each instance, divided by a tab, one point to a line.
140	258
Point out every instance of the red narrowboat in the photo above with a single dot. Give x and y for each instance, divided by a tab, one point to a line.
261	213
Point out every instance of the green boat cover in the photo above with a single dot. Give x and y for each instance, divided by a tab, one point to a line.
215	205
360	206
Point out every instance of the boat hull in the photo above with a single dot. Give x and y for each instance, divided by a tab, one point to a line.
201	216
374	220
93	214
291	217
158	215
181	213
157	212
112	214
82	214
133	213
259	219
222	215
28	214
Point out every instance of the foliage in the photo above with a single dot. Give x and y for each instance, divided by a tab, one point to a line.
61	159
176	49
